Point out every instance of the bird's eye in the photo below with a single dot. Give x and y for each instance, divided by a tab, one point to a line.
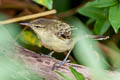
63	36
37	26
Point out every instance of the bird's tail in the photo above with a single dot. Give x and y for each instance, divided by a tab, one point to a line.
99	37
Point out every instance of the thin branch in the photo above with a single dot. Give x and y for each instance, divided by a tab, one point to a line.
72	11
28	17
43	65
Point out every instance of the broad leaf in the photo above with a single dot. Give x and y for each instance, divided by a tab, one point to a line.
101	26
30	38
77	75
92	12
46	3
104	3
114	17
89	21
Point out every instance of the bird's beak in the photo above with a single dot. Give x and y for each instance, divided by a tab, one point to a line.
26	24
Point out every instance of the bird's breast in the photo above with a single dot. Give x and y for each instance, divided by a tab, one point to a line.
52	42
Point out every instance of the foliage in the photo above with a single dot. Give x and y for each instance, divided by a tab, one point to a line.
105	12
98	15
28	37
77	75
12	68
46	3
64	76
114	16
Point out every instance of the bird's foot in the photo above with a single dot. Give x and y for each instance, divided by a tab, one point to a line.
49	55
59	64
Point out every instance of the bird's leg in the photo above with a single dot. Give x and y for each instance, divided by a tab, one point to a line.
50	54
57	65
65	59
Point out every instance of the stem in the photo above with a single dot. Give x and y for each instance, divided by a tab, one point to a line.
28	17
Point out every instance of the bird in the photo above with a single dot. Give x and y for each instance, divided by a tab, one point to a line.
54	35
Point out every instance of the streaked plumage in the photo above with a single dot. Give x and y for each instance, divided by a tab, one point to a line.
53	34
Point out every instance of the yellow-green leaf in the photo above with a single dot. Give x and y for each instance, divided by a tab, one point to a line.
64	77
46	3
77	75
29	37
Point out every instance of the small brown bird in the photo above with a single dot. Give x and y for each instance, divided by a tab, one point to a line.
53	34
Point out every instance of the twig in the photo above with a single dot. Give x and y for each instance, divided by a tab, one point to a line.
16	4
28	17
72	11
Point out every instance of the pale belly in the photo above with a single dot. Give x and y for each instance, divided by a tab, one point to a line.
54	43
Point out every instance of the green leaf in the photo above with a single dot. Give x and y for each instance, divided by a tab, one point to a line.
101	26
114	17
46	3
29	37
92	12
77	75
104	3
89	21
64	76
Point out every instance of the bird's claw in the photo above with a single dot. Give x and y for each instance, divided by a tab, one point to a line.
60	64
